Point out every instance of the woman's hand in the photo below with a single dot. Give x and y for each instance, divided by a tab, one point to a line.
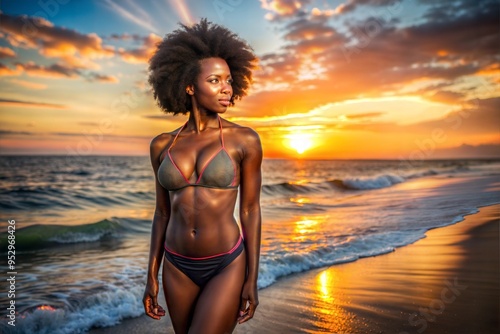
150	301
248	295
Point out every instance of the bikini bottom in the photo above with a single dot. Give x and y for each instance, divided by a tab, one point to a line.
201	269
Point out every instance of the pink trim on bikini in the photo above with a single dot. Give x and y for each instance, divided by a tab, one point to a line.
206	165
175	165
223	147
240	240
170	156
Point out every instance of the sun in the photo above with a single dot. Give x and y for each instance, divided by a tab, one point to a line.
300	142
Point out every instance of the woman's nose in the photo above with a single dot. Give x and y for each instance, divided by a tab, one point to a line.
227	88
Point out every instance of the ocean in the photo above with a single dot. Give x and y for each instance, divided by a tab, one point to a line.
82	225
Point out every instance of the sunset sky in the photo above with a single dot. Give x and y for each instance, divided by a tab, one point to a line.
343	79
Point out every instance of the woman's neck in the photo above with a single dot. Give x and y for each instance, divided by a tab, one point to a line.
199	121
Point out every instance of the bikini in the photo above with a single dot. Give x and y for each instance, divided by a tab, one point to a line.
218	172
201	269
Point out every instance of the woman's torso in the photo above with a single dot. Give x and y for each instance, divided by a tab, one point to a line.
201	172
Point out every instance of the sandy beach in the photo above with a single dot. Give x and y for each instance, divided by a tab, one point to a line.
447	282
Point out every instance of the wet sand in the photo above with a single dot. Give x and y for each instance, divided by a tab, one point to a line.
445	283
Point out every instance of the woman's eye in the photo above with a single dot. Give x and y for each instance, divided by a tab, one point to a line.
216	81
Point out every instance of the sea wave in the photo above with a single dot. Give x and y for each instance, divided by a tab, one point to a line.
40	236
21	197
77	172
357	183
279	265
289	188
369	243
105	308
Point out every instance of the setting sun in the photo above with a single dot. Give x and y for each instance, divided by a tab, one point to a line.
300	142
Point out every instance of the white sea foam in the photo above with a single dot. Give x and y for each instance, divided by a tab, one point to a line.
101	309
377	182
70	237
276	266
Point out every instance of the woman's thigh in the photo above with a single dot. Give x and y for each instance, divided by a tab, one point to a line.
180	294
218	304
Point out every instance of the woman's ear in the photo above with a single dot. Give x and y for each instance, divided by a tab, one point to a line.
190	90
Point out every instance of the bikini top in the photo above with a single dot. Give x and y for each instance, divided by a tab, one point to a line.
218	172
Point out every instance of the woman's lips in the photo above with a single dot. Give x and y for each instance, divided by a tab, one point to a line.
225	103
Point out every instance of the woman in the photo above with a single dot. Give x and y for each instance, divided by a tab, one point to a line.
210	269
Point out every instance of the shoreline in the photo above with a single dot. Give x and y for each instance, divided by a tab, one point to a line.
446	282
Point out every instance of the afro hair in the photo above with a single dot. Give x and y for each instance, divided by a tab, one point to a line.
176	63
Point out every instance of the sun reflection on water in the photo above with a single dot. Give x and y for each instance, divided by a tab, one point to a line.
329	304
46	308
306	226
300	200
309	228
324	280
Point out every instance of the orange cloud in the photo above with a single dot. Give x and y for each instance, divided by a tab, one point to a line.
76	51
445	96
102	78
283	8
320	64
493	69
478	116
350	5
6	52
28	84
7	71
469	151
308	29
54	42
52	71
19	103
365	115
318	12
142	54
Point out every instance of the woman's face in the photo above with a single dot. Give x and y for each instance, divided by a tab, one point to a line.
213	89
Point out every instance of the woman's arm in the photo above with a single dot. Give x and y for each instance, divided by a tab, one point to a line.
160	221
250	217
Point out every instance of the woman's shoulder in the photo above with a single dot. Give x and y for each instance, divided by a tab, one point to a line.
164	137
160	142
240	130
243	135
161	139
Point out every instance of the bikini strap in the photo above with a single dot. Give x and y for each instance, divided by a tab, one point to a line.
221	135
175	138
182	128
